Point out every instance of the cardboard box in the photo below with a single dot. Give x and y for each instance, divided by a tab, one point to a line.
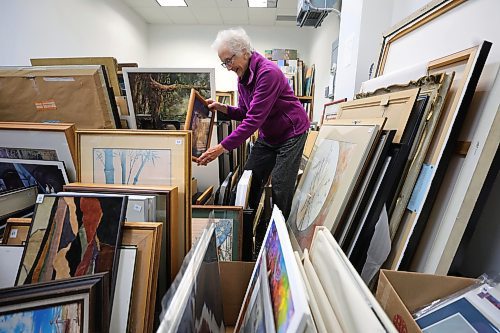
234	276
401	293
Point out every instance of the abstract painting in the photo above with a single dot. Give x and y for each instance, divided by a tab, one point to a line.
48	176
72	235
159	97
58	318
126	166
329	178
200	120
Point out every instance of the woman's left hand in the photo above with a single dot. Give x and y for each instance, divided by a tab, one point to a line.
211	154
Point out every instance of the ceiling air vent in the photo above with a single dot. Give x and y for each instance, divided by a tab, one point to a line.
311	13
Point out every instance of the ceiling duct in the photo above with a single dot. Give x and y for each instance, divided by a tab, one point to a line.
310	13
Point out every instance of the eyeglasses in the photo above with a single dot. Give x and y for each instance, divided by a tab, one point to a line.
228	61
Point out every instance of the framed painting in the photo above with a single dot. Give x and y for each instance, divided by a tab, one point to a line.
225	97
205	196
228	228
159	97
37	141
330	176
68	94
16	231
78	304
47	176
200	121
174	146
330	110
17	202
146	236
192	304
289	304
109	64
73	235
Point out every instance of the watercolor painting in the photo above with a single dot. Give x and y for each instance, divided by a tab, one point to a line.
48	176
279	283
132	166
72	236
160	98
322	177
54	318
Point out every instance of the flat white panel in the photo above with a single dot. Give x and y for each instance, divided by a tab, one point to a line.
123	290
201	3
181	15
262	16
10	258
142	3
288	4
232	3
153	15
207	15
233	16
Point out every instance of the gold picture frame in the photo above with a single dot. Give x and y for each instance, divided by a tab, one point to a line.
147	237
172	145
22	225
200	121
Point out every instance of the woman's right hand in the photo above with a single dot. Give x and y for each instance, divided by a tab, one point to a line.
216	105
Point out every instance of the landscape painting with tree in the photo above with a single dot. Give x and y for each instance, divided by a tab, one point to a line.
126	166
159	98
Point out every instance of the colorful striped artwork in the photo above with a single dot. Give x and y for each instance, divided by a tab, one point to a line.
72	236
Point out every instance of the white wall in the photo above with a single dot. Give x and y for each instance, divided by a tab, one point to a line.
189	46
70	28
321	51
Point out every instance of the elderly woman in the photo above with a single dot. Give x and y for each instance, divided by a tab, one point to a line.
266	103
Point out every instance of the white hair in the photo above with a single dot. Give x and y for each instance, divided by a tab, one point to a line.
235	40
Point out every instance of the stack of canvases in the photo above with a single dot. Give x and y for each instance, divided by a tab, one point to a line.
280	296
374	172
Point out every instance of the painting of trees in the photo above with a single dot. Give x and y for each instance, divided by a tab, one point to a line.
161	98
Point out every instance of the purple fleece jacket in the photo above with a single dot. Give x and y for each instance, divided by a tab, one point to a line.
266	102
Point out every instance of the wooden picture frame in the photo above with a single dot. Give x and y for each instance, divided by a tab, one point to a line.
322	195
17	202
205	196
178	145
424	15
220	212
147	237
20	137
396	107
109	63
16	231
225	97
168	89
167	214
468	65
329	111
200	121
68	94
88	296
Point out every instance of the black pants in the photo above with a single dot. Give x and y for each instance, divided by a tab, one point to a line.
282	162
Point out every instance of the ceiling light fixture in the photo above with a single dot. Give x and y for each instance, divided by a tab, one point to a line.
262	3
172	3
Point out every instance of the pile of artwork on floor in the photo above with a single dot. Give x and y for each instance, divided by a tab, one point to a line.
285	294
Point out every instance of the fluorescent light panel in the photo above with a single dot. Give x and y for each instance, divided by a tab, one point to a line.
172	3
262	3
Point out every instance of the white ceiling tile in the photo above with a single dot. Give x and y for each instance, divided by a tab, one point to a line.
261	16
232	3
285	24
153	15
286	11
180	15
287	4
207	15
200	3
142	3
235	16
